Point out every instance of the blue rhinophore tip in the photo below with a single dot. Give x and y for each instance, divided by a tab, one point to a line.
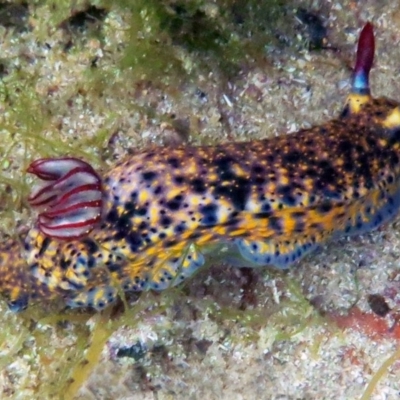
360	83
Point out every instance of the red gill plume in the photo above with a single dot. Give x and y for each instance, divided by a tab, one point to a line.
69	199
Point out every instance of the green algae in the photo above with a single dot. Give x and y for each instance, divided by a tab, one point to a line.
171	38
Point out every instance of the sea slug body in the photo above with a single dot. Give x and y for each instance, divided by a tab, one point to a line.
162	211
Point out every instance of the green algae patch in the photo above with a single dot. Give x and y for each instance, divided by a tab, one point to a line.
34	356
168	40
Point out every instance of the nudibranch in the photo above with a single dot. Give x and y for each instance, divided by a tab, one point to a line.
153	219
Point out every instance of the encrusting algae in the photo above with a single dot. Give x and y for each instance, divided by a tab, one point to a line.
155	216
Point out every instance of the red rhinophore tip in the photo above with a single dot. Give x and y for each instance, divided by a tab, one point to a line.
69	199
365	58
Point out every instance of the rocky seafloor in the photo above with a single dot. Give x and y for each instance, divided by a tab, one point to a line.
100	80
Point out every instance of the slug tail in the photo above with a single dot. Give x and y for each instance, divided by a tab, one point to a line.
14	284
